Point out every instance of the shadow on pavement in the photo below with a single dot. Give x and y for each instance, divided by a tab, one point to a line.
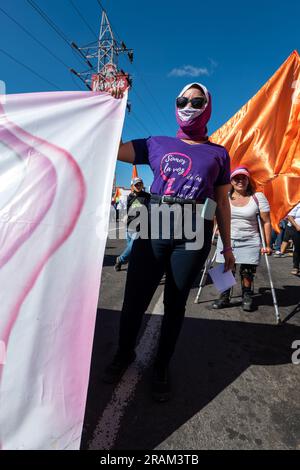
286	296
211	354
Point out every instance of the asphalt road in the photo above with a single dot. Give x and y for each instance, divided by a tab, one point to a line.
234	383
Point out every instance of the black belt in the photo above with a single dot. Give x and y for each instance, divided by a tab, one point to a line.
174	200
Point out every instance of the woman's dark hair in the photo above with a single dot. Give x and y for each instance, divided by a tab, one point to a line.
249	191
195	85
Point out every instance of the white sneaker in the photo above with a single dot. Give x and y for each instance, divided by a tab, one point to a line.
278	254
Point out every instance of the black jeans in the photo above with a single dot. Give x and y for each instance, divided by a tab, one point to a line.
296	254
149	260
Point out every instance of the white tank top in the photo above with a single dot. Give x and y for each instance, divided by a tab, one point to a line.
243	219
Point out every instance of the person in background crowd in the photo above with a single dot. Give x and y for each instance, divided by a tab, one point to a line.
189	172
287	237
245	236
277	238
294	218
137	198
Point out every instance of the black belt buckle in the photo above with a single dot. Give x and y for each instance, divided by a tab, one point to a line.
167	199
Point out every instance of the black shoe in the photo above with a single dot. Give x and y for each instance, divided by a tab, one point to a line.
118	264
247	301
117	368
223	301
161	387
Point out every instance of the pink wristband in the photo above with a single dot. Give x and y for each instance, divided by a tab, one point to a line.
226	250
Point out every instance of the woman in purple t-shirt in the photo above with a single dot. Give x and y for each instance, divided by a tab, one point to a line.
192	176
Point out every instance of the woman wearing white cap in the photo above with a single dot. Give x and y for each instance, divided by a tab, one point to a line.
245	236
190	172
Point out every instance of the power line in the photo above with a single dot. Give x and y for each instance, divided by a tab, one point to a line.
34	38
77	84
30	69
151	94
41	44
132	114
101	6
83	19
49	21
51	24
161	112
146	108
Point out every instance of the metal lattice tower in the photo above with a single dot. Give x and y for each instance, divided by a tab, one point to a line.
106	45
99	54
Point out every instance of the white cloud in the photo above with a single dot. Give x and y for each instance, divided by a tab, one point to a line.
189	71
213	64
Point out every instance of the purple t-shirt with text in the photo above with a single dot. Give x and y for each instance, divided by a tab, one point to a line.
189	171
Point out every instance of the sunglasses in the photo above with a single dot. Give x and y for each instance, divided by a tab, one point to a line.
196	103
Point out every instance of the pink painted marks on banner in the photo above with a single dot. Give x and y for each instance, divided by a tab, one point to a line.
34	201
39	184
2	352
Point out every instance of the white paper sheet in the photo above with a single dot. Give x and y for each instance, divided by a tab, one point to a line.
222	281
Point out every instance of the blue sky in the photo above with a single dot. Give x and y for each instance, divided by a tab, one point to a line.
232	47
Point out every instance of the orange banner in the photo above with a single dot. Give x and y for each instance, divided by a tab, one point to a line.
264	136
134	175
117	195
134	172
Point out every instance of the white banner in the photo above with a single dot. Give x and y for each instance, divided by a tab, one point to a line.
57	161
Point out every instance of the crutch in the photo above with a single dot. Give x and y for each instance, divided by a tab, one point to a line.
277	315
208	263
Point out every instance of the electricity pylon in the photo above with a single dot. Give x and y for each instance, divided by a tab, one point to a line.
102	59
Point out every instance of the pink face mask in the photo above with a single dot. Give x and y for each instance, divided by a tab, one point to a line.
187	114
192	122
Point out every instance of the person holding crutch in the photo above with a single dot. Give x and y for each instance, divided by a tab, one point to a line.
245	234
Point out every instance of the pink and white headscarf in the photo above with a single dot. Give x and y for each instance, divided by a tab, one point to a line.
195	128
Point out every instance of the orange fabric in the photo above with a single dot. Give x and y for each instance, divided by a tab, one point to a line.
134	175
264	136
117	195
134	172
